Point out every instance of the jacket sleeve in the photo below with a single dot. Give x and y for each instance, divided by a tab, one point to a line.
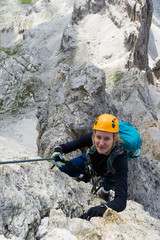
121	176
83	141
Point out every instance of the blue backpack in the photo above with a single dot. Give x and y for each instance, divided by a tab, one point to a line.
131	140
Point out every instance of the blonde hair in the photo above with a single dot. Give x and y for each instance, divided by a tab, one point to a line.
116	138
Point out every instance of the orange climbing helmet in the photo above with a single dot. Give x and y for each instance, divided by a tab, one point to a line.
107	123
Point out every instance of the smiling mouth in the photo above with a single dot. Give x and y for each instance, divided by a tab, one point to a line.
101	148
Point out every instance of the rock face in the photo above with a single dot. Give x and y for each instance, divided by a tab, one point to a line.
72	90
64	120
153	46
72	61
28	40
30	191
85	86
156	71
127	26
37	203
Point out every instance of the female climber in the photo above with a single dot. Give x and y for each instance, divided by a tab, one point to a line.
103	160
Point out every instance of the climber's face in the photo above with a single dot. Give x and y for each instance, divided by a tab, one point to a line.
103	141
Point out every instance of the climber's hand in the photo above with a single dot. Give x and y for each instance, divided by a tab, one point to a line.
97	211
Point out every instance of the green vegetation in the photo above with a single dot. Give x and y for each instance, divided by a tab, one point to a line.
19	95
18	90
25	1
113	78
9	51
118	75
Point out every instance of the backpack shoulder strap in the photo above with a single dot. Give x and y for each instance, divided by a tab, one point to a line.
88	165
116	152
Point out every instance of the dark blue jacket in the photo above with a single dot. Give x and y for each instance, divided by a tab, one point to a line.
120	165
